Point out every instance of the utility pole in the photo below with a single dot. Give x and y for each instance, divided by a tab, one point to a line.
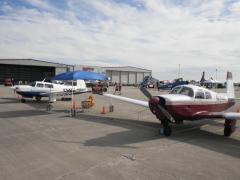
178	71
216	73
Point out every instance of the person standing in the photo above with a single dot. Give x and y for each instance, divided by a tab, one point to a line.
120	88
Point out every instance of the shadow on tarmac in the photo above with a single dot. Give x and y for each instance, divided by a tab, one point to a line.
190	133
22	113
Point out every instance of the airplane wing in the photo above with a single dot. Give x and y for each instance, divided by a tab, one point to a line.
125	99
232	115
226	115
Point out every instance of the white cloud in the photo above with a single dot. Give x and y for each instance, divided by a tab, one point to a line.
159	37
235	9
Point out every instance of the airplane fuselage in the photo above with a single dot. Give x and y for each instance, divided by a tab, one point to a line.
194	103
40	89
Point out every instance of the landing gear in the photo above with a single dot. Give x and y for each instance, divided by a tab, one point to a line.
23	100
38	98
167	130
227	130
229	127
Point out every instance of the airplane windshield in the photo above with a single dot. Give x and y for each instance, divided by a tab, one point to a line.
183	90
186	91
32	84
175	90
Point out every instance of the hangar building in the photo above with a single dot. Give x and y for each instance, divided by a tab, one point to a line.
27	70
127	75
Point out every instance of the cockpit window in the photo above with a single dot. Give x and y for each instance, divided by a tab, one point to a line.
199	94
186	91
32	84
40	85
48	86
175	90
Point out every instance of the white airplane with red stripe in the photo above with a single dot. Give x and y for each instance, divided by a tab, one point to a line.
189	102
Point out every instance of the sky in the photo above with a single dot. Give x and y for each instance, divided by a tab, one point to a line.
161	35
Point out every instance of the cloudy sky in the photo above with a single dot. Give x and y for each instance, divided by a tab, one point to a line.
154	34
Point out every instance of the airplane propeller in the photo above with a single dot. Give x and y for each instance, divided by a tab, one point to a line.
155	100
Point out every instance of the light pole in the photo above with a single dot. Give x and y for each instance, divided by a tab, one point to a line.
216	73
178	71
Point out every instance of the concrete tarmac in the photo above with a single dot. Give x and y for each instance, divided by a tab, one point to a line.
40	145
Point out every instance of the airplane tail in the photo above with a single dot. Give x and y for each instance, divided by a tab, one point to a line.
230	86
203	78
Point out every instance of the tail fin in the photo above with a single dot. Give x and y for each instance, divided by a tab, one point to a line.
230	86
202	79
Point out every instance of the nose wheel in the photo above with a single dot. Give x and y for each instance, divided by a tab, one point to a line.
229	127
167	129
227	130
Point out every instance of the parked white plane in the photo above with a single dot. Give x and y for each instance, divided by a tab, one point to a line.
39	89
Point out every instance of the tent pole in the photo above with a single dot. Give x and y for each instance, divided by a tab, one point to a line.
73	103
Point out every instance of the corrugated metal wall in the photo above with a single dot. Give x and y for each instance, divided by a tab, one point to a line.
139	77
132	78
124	77
115	76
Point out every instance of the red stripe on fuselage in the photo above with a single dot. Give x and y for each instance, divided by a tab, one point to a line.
197	111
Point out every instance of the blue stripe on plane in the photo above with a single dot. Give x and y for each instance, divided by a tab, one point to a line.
31	94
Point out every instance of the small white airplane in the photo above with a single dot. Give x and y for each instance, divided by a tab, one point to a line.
189	102
39	89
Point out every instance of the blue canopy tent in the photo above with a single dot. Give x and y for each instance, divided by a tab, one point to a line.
84	75
76	75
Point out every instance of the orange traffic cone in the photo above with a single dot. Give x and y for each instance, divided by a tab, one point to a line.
103	110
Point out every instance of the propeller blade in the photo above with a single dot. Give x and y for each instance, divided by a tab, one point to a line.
146	92
149	96
166	113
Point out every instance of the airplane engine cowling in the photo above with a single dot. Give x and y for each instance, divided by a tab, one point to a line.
153	105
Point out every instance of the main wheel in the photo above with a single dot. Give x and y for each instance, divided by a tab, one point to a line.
167	131
227	130
23	100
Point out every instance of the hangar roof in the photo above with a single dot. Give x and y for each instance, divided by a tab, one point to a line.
31	62
127	68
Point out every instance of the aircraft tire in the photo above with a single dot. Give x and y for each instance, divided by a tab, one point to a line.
227	130
23	100
167	131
